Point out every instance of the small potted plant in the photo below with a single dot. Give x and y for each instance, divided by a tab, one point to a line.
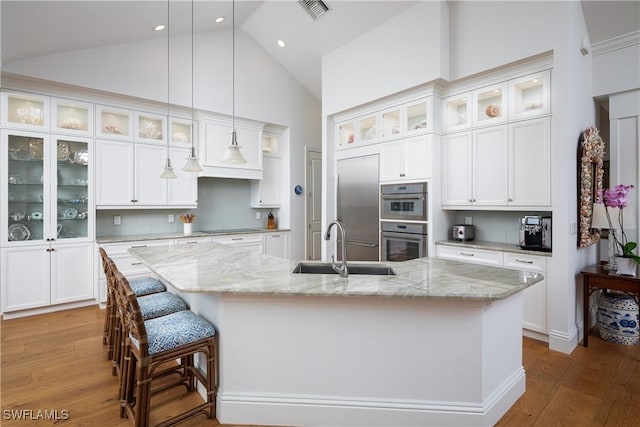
615	200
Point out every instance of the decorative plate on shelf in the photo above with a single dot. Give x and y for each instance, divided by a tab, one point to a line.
79	157
63	151
69	213
19	232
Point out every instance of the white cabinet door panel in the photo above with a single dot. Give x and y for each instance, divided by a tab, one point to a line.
114	173
391	162
150	189
184	190
25	278
456	169
71	273
417	158
490	166
277	244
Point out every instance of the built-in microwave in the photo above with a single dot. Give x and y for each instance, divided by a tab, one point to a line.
404	201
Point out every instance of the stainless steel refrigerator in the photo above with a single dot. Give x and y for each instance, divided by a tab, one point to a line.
358	207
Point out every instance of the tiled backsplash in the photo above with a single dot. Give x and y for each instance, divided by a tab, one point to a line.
222	204
496	226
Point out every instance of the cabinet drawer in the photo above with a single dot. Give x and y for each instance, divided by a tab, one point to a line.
126	263
477	256
525	262
235	238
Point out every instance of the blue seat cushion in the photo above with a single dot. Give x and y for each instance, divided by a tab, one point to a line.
160	304
175	330
146	285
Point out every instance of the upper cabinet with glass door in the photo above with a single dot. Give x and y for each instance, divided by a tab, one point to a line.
150	128
346	134
418	116
25	111
490	105
390	123
180	132
367	129
456	112
71	117
529	96
25	193
114	123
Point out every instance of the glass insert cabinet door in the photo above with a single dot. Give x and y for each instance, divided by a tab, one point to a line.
71	194
27	198
46	182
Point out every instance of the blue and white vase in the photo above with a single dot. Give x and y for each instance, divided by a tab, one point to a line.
618	318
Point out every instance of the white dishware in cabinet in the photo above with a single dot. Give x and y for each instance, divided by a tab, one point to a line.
277	244
530	95
407	159
114	123
71	117
26	111
45	275
46	188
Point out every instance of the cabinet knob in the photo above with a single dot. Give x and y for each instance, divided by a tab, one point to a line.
510	199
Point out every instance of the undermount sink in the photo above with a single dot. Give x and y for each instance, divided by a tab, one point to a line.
325	268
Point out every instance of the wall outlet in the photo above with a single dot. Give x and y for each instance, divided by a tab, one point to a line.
117	220
468	220
573	228
258	215
171	218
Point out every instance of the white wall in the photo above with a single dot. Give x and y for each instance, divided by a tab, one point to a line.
615	64
265	91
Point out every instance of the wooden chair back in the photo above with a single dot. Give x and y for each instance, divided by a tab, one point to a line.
133	322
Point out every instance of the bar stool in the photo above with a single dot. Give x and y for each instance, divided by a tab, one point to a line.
141	286
151	306
151	345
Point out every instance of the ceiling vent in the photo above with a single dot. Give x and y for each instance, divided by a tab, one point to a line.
316	8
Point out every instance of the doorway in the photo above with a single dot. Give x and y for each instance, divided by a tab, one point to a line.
313	203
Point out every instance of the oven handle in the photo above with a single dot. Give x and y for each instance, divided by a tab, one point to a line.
402	196
404	236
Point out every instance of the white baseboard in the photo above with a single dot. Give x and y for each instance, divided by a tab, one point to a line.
563	342
268	409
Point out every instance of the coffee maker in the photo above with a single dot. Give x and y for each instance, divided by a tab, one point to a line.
535	233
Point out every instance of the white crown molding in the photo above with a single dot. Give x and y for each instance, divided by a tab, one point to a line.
615	43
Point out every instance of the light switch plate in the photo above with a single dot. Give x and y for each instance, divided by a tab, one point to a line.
468	220
258	215
117	220
171	218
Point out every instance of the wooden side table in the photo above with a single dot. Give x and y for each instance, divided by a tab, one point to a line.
596	277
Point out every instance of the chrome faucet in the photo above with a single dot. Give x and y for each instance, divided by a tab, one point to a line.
342	270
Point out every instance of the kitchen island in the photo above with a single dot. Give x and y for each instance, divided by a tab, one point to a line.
439	343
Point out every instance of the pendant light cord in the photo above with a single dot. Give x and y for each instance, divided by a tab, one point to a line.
192	86
233	65
168	76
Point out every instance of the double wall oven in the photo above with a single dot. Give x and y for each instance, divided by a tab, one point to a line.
403	211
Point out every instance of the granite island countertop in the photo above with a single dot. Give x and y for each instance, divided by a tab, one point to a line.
222	269
180	235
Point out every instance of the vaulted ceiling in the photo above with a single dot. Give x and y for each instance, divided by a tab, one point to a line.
32	28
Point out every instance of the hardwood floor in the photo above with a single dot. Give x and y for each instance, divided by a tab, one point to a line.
56	363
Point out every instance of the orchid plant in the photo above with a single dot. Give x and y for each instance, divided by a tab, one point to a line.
618	198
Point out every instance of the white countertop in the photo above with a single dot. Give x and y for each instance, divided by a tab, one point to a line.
222	269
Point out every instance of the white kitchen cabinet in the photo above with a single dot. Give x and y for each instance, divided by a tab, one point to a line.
26	111
530	162
252	242
277	244
71	117
190	240
508	165
265	193
346	134
44	275
489	166
457	164
406	160
128	175
535	296
181	132
490	105
418	117
368	128
215	137
472	255
456	112
150	128
474	167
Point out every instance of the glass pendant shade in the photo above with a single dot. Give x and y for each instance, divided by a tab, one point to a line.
168	172
232	154
192	164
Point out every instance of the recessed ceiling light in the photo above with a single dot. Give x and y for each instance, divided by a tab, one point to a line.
159	27
281	43
219	19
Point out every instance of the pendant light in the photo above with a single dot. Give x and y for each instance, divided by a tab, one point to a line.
168	172
232	154
192	164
